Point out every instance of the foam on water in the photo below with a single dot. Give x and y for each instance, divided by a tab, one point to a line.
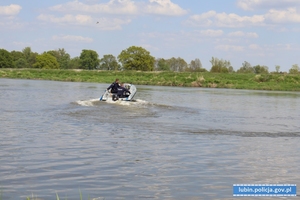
89	102
128	103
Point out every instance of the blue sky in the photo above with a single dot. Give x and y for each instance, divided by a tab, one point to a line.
264	32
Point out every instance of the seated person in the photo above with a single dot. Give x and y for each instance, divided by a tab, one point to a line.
114	86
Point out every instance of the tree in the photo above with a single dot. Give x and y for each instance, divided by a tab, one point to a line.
109	62
277	67
136	58
62	57
30	56
6	60
295	69
26	52
161	65
220	66
46	61
260	69
246	68
19	59
89	59
177	64
74	63
21	63
196	66
16	55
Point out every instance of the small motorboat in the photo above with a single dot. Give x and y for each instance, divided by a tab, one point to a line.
121	96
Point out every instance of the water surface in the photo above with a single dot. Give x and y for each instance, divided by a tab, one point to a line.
171	143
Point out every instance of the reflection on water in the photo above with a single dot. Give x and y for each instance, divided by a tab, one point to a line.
171	143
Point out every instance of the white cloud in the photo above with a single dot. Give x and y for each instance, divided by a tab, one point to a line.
267	4
86	20
112	7
183	35
85	14
12	9
273	16
212	18
211	33
283	16
254	47
243	34
286	47
72	38
112	24
124	7
229	48
271	48
9	19
164	7
75	19
21	44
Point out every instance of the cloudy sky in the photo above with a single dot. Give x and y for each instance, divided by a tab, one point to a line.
264	32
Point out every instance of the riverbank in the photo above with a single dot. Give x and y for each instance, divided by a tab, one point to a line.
280	82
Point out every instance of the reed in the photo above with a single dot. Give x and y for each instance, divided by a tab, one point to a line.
280	82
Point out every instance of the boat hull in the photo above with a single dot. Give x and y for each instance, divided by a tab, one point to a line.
111	96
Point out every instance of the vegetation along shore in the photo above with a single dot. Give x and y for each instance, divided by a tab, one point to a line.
275	81
136	65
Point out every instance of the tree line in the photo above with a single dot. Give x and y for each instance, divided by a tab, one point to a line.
132	58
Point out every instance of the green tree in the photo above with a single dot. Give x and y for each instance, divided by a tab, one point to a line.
74	63
260	69
246	68
46	61
89	59
6	60
196	66
62	57
161	65
19	59
177	64
17	55
21	63
136	58
30	56
295	69
26	52
220	66
277	68
109	62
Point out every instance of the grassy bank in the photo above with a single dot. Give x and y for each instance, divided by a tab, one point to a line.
280	82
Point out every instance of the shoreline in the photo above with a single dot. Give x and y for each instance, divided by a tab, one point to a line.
271	81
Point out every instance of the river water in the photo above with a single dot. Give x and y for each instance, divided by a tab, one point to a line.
171	143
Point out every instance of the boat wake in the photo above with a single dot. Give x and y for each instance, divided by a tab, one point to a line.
90	102
95	102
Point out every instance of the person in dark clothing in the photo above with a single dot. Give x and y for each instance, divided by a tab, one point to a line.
123	92
114	86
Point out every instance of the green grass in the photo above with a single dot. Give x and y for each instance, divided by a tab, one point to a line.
280	82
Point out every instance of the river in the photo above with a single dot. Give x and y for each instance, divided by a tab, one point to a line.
57	138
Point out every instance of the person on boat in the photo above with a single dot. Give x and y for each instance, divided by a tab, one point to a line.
123	92
114	86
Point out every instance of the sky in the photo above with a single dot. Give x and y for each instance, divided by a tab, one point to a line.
261	32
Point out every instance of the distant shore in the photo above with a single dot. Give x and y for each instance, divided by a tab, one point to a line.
274	82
